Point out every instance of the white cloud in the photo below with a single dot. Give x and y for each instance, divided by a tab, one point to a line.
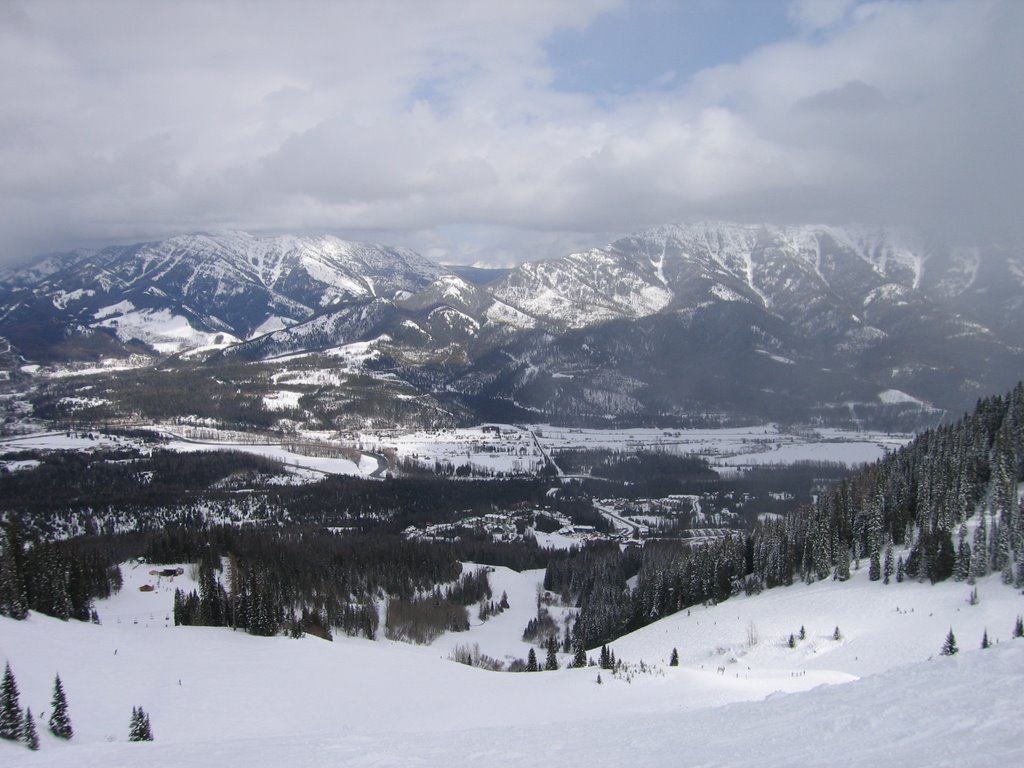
418	123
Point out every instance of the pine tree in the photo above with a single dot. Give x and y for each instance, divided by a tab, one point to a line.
551	662
979	550
531	661
949	646
1018	627
139	728
60	724
887	565
10	708
900	569
792	641
29	735
985	641
579	658
674	658
837	635
962	564
13	596
803	632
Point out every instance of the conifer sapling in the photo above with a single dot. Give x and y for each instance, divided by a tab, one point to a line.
10	708
949	646
60	723
29	735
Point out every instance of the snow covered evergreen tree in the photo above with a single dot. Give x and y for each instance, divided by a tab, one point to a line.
13	597
10	708
949	646
579	658
551	662
29	734
531	661
139	729
985	643
673	660
60	723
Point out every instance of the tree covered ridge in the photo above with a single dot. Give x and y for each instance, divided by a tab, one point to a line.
919	498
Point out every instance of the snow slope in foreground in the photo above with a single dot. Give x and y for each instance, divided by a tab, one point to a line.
221	698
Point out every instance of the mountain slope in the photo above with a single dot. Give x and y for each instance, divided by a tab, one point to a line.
216	695
230	283
715	318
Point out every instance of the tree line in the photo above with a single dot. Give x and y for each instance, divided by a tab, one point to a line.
924	499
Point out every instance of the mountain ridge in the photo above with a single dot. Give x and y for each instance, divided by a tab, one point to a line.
657	323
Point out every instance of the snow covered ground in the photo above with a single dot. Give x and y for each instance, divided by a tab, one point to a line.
302	467
736	446
217	697
511	449
493	449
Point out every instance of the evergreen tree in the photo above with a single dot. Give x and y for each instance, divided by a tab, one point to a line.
1018	627
949	646
60	723
900	569
837	635
139	728
803	632
13	598
979	550
792	641
674	658
842	571
10	708
874	536
551	662
579	658
531	661
887	565
962	565
985	641
29	735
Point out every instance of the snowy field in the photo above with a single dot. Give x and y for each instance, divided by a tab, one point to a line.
488	449
491	449
302	467
733	447
881	695
515	450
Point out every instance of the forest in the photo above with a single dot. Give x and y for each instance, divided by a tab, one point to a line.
326	553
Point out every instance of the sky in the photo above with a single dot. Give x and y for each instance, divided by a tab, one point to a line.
496	132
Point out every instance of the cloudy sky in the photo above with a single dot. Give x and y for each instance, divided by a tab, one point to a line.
497	132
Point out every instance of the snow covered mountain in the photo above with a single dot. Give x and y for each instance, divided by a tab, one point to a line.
230	284
778	321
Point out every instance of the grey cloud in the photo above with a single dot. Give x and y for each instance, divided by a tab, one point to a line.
855	96
136	120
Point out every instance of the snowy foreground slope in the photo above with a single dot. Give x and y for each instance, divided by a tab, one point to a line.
221	698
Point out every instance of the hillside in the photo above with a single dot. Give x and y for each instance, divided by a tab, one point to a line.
229	698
